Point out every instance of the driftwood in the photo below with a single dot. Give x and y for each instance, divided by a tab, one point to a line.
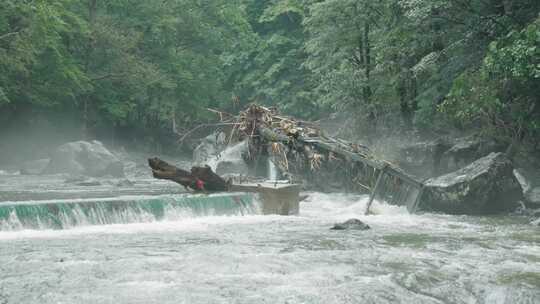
199	179
302	152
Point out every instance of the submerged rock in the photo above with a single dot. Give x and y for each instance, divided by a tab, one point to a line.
85	158
352	224
34	167
486	186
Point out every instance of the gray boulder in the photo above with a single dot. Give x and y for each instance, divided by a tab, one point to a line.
85	158
34	167
352	224
486	186
465	151
423	159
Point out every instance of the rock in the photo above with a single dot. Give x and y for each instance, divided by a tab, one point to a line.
465	151
423	159
85	158
536	222
486	186
34	167
352	224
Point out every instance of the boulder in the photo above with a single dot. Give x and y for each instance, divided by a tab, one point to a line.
352	224
465	151
34	167
423	159
486	186
85	158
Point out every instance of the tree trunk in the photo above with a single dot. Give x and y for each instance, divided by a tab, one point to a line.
210	181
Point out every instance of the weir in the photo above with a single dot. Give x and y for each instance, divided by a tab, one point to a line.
62	214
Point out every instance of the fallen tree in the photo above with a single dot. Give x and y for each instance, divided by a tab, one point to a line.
199	179
304	154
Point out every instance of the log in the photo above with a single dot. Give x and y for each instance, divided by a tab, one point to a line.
210	181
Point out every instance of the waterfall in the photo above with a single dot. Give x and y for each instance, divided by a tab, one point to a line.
63	214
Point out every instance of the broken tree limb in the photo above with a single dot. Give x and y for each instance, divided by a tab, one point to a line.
199	179
163	170
301	150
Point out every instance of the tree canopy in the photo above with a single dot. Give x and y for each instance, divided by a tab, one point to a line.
140	65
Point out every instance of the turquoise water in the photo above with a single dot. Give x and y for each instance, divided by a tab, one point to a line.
63	214
245	257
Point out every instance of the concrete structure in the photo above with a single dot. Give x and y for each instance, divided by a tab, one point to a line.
276	198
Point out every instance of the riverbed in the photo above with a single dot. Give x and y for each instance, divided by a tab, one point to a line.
252	258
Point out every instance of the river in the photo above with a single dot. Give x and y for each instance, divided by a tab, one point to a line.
251	258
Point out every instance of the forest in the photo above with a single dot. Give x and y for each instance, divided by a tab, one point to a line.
133	69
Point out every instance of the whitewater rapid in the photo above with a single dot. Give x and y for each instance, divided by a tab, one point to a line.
253	258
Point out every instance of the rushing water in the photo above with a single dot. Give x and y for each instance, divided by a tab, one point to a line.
251	258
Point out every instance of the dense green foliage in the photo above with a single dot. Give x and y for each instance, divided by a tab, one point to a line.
139	65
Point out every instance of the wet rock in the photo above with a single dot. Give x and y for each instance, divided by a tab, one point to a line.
423	159
85	158
352	224
486	186
34	167
465	151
